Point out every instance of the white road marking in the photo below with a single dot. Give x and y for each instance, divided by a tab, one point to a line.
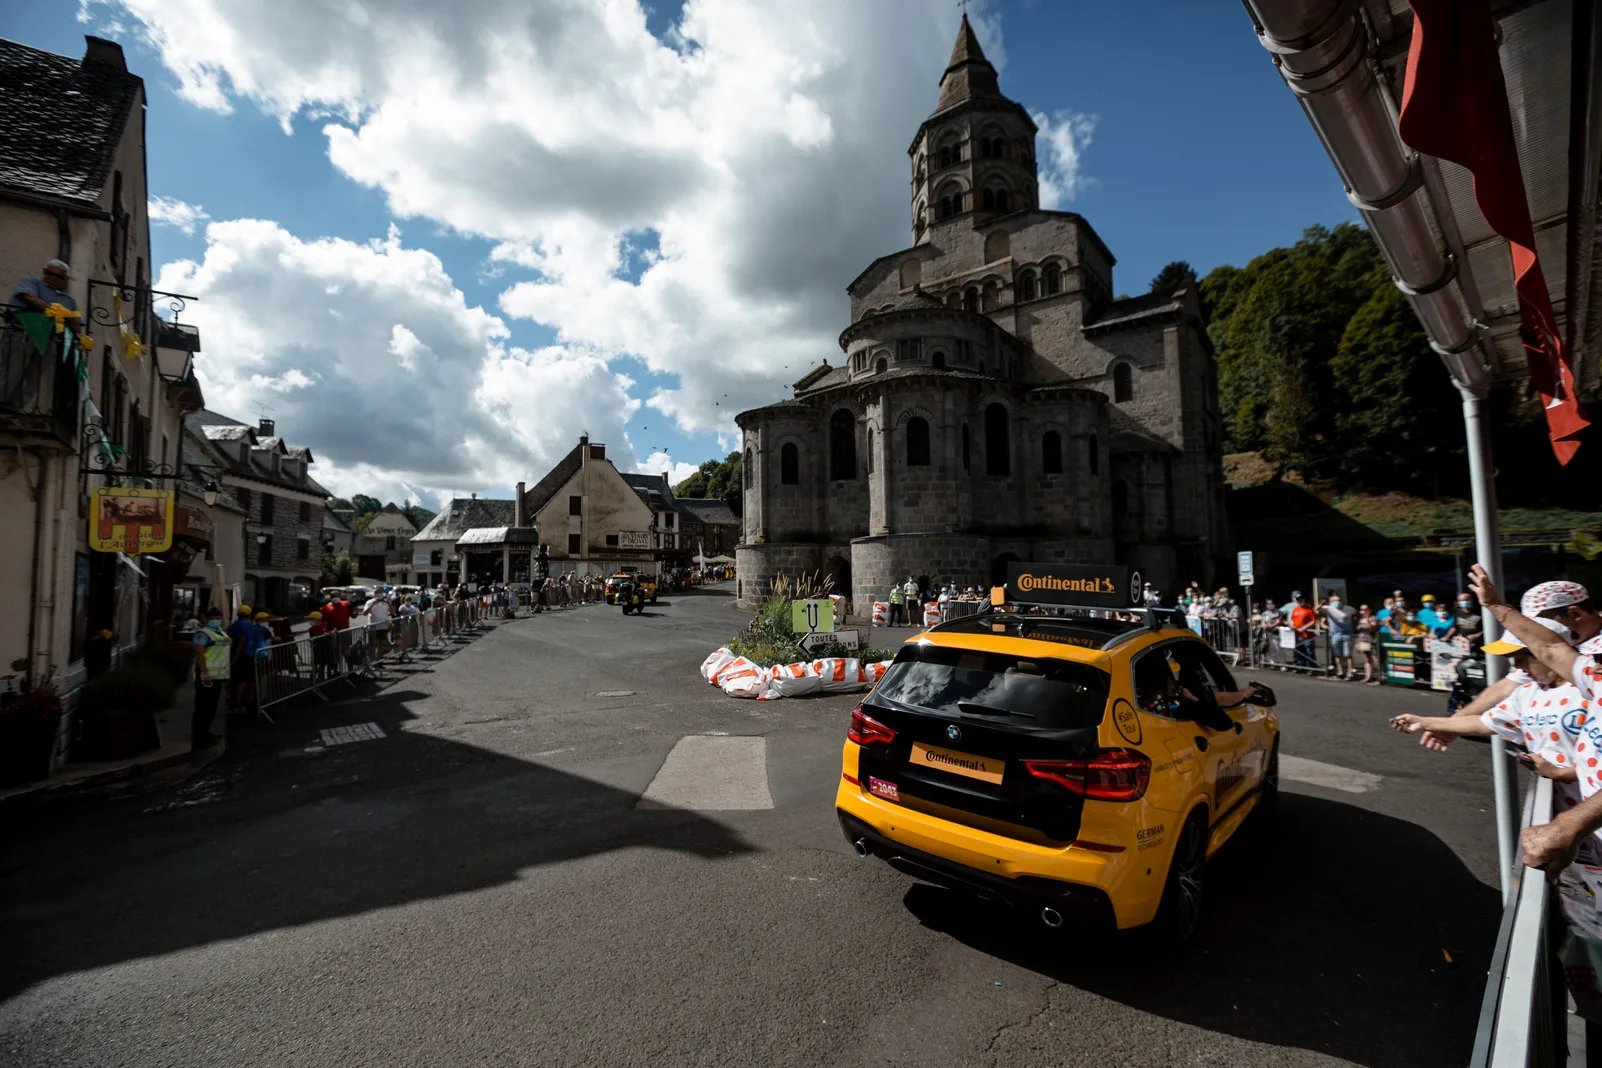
1331	776
359	732
709	774
616	693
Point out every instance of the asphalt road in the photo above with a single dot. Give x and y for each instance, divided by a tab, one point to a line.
485	886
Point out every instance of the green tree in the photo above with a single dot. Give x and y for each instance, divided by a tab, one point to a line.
338	503
1397	421
716	480
418	515
337	568
1173	276
365	505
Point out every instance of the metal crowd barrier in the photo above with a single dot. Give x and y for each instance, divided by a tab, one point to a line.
1523	1013
307	664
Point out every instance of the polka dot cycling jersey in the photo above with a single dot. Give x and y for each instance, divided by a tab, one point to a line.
1548	722
1588	677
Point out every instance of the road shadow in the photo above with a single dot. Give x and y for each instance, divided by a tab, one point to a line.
1331	934
273	836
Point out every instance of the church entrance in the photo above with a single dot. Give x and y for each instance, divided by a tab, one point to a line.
838	571
998	568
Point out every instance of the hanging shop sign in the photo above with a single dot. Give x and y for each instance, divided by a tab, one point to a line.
130	521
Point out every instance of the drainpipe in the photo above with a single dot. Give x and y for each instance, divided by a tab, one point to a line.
33	570
1320	48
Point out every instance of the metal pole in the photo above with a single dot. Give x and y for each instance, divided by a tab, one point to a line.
1488	548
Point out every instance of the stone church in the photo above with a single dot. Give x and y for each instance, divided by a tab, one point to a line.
995	403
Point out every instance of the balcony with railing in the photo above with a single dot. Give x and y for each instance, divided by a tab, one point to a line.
41	370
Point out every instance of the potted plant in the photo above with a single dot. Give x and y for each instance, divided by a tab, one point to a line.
118	710
28	725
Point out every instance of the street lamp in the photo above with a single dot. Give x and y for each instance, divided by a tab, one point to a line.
209	493
261	538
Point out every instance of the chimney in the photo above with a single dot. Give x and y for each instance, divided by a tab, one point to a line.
265	428
665	478
105	53
517	507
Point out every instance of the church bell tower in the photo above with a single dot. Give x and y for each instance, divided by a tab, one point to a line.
974	157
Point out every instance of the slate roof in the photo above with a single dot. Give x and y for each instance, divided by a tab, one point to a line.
462	514
1133	309
217	427
540	495
333	523
498	536
63	121
648	486
192	478
969	74
704	510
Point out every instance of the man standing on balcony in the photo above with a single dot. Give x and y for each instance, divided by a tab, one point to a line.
37	292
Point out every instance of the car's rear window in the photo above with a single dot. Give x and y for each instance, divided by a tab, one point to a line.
1042	691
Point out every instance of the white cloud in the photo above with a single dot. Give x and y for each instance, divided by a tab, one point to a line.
698	201
368	353
658	462
169	211
1063	138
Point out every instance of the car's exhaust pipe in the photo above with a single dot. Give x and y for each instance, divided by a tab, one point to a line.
861	846
1050	917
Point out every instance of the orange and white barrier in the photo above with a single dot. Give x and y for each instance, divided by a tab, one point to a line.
839	608
931	614
881	613
738	677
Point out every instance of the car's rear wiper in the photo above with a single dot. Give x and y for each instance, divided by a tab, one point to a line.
976	709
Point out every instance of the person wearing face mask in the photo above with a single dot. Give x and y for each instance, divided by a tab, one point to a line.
1342	625
1467	622
213	657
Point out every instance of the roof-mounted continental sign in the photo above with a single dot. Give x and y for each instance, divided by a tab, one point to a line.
1086	585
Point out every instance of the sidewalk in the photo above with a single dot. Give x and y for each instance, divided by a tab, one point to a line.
173	728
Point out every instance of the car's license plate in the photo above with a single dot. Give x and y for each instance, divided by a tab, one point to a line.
887	790
989	769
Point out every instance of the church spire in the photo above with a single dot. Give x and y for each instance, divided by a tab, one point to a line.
969	74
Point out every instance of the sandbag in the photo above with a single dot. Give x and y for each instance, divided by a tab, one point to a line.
873	672
794	680
839	674
744	679
715	663
931	614
881	613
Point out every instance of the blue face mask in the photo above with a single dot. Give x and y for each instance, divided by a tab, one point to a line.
214	624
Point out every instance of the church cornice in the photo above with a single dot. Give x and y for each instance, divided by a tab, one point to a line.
988	104
936	313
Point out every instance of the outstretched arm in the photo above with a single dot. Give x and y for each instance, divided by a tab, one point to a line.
1543	644
1454	725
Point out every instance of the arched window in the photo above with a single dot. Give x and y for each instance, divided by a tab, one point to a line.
1120	498
870	450
911	273
998	449
1053	280
991	301
1123	383
1003	201
938	359
1094	448
1051	453
970	300
789	464
1026	285
749	468
917	442
967	447
998	246
988	200
842	446
882	366
954	299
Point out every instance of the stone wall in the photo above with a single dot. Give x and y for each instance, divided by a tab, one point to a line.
879	561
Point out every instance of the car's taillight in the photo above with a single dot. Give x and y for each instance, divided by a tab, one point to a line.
1110	775
865	730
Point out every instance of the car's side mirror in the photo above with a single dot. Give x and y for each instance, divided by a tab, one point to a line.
1262	696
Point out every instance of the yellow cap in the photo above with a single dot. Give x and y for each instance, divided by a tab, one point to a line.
1503	647
244	609
261	616
1428	598
314	615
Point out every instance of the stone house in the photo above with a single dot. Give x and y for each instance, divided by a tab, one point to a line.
591	517
994	403
435	558
384	546
283	509
707	527
99	400
339	531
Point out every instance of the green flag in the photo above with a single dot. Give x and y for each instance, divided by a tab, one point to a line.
38	326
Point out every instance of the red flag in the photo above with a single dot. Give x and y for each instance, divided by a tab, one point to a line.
1454	107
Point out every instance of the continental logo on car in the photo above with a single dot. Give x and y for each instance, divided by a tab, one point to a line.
1102	584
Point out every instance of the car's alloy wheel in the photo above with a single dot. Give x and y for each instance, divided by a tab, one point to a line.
1184	894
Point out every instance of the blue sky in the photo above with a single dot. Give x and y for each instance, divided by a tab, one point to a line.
1196	151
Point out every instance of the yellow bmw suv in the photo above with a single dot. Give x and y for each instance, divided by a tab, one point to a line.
1079	763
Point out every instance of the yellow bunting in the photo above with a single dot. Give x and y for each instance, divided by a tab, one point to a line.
60	313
